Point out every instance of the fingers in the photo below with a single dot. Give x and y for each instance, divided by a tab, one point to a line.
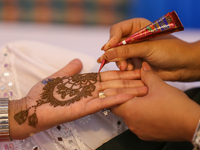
120	75
125	65
73	67
124	29
149	77
124	52
107	102
119	84
122	65
129	64
117	32
136	92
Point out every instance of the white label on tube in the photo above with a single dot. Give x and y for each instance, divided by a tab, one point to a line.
124	42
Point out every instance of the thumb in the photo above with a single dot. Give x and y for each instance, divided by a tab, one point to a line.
148	76
73	67
124	52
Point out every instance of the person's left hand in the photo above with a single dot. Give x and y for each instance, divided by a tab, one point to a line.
164	114
64	97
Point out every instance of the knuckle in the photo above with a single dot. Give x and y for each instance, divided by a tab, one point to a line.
118	91
126	50
112	27
122	52
126	83
120	74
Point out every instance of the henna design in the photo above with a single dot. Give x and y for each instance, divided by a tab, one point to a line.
99	76
72	88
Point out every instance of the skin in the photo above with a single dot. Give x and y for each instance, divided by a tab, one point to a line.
118	87
165	55
165	113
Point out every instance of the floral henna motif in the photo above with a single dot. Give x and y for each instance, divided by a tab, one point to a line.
70	89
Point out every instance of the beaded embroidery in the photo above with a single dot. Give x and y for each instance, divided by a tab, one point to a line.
8	90
7	84
66	137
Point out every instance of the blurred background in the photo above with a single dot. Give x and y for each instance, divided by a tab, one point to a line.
97	12
83	25
65	23
104	12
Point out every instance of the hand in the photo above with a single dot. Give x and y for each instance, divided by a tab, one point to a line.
171	58
164	114
64	97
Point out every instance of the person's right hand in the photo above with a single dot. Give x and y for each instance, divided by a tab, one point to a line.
171	58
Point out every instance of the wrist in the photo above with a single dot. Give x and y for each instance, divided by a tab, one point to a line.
4	120
17	131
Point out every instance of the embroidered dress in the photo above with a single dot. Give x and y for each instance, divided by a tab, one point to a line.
24	63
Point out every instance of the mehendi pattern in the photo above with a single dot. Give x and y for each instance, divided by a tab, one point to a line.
70	89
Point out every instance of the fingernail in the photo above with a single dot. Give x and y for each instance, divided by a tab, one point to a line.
99	60
110	54
118	65
107	46
146	66
102	48
110	49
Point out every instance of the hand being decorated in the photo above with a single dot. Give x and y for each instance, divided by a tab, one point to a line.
66	96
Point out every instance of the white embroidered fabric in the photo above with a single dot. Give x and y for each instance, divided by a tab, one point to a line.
24	63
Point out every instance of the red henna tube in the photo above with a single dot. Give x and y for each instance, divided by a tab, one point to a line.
165	25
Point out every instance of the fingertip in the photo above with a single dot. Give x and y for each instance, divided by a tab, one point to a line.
100	59
76	60
145	66
107	46
103	47
129	67
111	43
123	65
77	64
73	67
118	64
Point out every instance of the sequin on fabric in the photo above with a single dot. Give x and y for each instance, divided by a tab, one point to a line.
7	83
8	90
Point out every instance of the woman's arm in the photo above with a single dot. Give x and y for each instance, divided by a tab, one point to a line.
66	96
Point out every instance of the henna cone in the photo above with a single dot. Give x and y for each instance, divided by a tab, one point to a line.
165	25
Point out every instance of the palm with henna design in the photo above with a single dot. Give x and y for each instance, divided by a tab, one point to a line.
49	102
